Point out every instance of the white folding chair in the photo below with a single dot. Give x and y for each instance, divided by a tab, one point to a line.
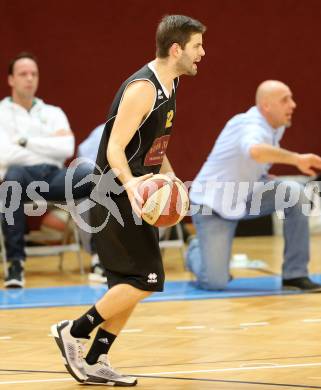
49	250
178	243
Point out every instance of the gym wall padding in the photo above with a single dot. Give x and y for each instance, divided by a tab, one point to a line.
86	49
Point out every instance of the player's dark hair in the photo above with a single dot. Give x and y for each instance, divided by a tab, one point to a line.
175	29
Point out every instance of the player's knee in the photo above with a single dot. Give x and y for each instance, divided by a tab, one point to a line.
146	294
141	294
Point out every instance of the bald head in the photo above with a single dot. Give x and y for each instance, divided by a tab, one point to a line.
268	90
274	100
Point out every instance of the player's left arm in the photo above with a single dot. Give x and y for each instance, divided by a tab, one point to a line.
168	170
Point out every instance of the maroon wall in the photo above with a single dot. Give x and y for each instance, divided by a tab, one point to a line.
86	49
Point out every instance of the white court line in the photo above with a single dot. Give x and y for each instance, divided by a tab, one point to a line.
180	372
37	381
312	320
236	369
255	324
258	364
131	330
190	327
5	338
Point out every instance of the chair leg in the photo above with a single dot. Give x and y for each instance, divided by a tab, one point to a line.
78	252
61	261
80	262
180	236
3	250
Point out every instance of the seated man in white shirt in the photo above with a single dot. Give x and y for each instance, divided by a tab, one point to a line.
35	141
234	184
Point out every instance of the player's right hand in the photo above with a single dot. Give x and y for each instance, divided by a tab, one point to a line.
131	188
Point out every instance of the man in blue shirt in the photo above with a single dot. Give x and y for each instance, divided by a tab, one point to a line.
234	184
89	147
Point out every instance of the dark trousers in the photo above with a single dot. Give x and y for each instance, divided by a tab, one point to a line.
24	175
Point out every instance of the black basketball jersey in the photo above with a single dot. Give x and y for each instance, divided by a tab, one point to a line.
128	248
146	150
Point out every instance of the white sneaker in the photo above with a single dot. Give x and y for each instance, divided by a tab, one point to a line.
102	373
97	273
72	349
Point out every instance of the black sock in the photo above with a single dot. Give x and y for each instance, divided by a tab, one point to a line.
84	325
100	345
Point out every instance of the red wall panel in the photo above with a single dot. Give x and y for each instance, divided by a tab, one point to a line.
86	49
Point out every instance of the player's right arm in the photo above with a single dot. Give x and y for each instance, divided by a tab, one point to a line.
137	102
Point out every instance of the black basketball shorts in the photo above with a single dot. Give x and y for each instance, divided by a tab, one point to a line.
128	247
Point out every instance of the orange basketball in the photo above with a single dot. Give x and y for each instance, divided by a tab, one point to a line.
165	202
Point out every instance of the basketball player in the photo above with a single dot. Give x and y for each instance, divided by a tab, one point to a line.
133	145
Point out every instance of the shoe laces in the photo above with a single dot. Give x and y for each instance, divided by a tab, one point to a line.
81	348
106	363
17	266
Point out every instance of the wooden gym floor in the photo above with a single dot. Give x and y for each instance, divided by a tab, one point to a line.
245	343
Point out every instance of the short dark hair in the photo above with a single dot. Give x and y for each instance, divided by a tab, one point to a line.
175	29
23	54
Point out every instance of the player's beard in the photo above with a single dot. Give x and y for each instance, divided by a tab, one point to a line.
185	66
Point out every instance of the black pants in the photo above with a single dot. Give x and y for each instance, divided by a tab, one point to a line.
22	177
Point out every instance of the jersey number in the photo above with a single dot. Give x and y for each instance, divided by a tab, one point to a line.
169	121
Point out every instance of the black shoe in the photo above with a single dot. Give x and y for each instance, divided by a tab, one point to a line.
303	284
15	278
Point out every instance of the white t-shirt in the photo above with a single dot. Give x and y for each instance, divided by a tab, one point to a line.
38	126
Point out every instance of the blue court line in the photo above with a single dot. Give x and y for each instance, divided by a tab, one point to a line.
174	291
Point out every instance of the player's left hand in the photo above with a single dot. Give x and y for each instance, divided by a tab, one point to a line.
172	176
